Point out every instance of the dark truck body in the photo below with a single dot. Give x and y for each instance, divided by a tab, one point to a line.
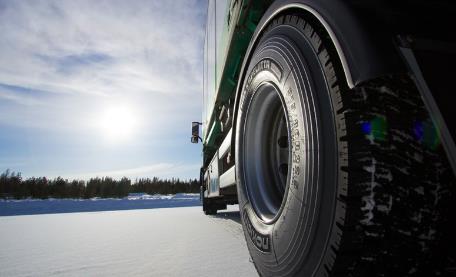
330	123
373	38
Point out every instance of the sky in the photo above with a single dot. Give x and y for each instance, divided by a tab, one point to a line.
101	88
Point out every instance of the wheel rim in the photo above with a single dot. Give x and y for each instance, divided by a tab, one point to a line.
267	152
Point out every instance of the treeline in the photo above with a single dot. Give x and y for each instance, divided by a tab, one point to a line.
12	185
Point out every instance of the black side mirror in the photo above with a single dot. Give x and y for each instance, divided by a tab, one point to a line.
195	132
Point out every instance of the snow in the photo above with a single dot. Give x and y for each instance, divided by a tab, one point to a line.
369	200
143	242
133	201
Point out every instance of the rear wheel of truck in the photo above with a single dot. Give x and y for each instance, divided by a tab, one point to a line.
209	207
333	181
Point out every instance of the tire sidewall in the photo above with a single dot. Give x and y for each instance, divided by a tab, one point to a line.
287	245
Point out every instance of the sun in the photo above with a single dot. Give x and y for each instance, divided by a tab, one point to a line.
118	123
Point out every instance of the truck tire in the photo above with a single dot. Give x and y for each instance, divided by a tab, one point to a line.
333	181
208	207
210	211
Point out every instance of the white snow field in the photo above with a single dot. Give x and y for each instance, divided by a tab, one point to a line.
145	242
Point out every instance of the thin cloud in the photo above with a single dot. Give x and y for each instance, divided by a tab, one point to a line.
102	49
63	46
78	58
22	100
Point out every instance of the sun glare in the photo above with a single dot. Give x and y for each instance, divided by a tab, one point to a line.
118	124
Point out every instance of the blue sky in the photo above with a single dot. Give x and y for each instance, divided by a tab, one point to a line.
100	88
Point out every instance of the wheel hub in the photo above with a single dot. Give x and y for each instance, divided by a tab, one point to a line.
267	152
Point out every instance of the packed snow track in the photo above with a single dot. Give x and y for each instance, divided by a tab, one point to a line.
148	242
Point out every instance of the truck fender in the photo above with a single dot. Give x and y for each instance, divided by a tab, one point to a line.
365	49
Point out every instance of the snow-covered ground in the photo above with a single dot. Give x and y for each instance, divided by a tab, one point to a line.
144	242
133	201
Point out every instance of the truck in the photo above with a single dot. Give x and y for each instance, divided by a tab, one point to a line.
330	123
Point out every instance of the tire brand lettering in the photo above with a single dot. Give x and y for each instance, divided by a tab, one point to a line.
294	133
296	170
295	183
290	92
262	242
294	124
296	145
295	136
296	158
261	66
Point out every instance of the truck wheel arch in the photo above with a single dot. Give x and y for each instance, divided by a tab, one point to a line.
360	57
